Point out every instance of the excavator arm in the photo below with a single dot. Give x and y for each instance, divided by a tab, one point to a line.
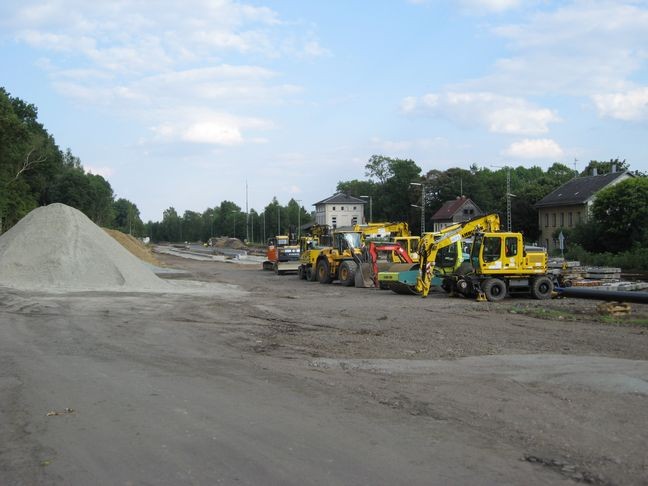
432	243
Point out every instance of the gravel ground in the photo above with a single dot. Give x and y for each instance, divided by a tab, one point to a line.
292	382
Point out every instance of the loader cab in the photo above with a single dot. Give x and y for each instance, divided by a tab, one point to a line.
348	241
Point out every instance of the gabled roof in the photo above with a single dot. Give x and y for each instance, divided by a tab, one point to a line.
578	190
450	208
340	198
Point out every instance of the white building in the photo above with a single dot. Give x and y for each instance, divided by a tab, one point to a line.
340	210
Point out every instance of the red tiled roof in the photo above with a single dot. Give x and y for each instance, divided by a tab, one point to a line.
450	208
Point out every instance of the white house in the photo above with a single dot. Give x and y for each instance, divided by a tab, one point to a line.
340	210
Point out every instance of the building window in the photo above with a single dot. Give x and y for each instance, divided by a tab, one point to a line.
342	208
546	220
354	220
355	208
334	221
578	217
562	220
570	219
553	219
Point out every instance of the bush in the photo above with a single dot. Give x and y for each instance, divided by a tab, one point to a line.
631	260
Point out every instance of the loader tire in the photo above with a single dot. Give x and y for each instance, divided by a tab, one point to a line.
323	272
300	273
542	288
311	274
347	274
494	289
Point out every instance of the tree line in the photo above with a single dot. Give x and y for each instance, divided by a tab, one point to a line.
228	219
35	172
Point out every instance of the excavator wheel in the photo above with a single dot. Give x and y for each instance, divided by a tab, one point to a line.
541	288
494	289
323	272
347	274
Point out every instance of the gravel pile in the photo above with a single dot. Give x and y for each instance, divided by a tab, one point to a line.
58	248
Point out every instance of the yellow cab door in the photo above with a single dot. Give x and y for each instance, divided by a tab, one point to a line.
499	253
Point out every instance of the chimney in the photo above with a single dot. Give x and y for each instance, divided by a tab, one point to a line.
594	171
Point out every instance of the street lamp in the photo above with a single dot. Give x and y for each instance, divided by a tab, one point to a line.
370	207
298	218
422	206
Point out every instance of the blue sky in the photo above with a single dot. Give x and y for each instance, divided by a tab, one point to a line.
179	103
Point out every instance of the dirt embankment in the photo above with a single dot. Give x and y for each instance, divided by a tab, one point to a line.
135	246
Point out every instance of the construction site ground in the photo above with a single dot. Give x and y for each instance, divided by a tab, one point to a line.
300	383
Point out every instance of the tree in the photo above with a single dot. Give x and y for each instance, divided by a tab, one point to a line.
392	196
621	212
127	218
604	167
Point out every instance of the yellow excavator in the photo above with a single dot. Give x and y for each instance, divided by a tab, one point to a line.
498	264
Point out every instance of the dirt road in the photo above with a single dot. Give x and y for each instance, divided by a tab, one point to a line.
291	382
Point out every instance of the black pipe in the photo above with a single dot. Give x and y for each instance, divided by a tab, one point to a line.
609	295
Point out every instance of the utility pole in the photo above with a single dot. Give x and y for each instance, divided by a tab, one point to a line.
298	218
422	206
247	214
509	222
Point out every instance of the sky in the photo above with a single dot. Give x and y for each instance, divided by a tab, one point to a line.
184	104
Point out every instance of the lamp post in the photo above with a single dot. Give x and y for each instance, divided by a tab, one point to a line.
298	218
370	207
422	206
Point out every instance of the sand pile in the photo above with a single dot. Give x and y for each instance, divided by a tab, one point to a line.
58	248
135	246
224	242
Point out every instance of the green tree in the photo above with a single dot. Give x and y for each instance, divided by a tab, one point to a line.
621	211
604	167
127	218
393	196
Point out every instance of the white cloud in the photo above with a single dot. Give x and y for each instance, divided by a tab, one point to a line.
205	127
580	48
630	106
143	59
499	114
539	149
490	5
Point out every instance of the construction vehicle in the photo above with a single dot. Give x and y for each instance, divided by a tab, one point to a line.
309	250
440	253
337	262
391	232
498	264
282	255
338	254
377	257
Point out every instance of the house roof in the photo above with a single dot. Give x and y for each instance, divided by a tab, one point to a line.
578	190
341	198
450	208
